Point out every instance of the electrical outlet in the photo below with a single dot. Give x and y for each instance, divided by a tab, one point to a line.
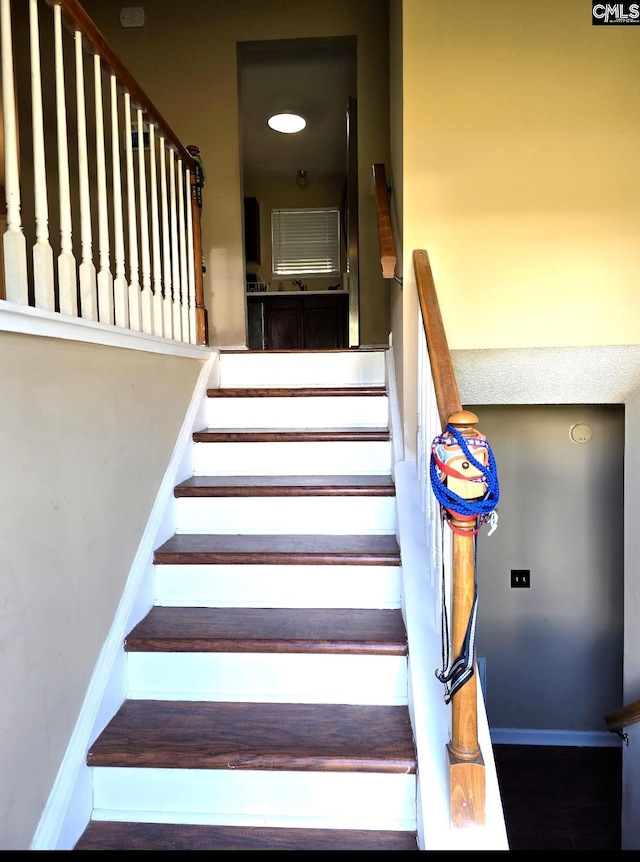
521	578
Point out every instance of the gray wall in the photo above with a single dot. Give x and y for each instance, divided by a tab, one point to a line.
86	435
554	651
631	753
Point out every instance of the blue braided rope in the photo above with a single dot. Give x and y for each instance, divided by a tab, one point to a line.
450	500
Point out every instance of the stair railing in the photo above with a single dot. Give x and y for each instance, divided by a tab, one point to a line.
122	176
437	382
454	550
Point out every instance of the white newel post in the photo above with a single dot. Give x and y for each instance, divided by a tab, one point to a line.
87	270
14	243
67	267
135	321
43	278
166	245
105	276
120	288
175	260
158	328
146	309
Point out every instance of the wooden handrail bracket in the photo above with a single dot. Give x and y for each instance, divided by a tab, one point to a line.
621	718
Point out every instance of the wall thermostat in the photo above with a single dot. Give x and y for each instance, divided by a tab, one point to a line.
132	16
581	433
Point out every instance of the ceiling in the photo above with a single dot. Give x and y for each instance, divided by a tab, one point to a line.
311	77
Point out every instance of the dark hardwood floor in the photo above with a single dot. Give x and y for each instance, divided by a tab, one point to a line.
560	798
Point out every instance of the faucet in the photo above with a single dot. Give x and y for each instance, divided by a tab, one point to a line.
299	284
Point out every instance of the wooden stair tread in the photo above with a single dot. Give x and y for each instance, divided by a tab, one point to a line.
273	736
282	630
114	835
285	435
280	549
296	391
281	486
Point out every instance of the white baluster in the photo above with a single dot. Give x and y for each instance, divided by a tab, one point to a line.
191	263
166	246
87	270
14	243
147	321
175	260
105	277
158	328
135	321
184	284
42	251
67	272
120	282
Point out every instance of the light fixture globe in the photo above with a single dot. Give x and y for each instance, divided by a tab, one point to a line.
287	123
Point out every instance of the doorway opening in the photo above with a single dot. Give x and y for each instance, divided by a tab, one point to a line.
310	171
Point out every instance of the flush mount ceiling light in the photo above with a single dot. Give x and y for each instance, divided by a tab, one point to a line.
287	123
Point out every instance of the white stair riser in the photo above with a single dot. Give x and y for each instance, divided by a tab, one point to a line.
275	678
269	586
340	515
332	800
293	459
348	411
308	368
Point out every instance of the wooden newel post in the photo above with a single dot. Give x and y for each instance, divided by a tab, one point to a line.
202	324
466	764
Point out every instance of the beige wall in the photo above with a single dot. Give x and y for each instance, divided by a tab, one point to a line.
86	436
631	684
185	59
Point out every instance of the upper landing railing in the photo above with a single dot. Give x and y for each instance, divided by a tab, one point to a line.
90	163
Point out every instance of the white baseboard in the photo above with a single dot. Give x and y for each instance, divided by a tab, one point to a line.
579	738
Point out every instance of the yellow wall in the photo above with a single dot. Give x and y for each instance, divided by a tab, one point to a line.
521	171
185	59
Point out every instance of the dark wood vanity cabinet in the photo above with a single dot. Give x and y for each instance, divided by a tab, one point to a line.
308	321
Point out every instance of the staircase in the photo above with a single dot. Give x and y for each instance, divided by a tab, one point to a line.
267	686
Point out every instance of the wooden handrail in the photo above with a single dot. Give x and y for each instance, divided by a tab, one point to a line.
385	228
444	379
466	764
623	717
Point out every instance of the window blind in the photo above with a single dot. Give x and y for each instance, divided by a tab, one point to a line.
306	241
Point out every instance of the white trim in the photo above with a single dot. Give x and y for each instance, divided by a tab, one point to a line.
530	736
395	420
68	808
35	321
